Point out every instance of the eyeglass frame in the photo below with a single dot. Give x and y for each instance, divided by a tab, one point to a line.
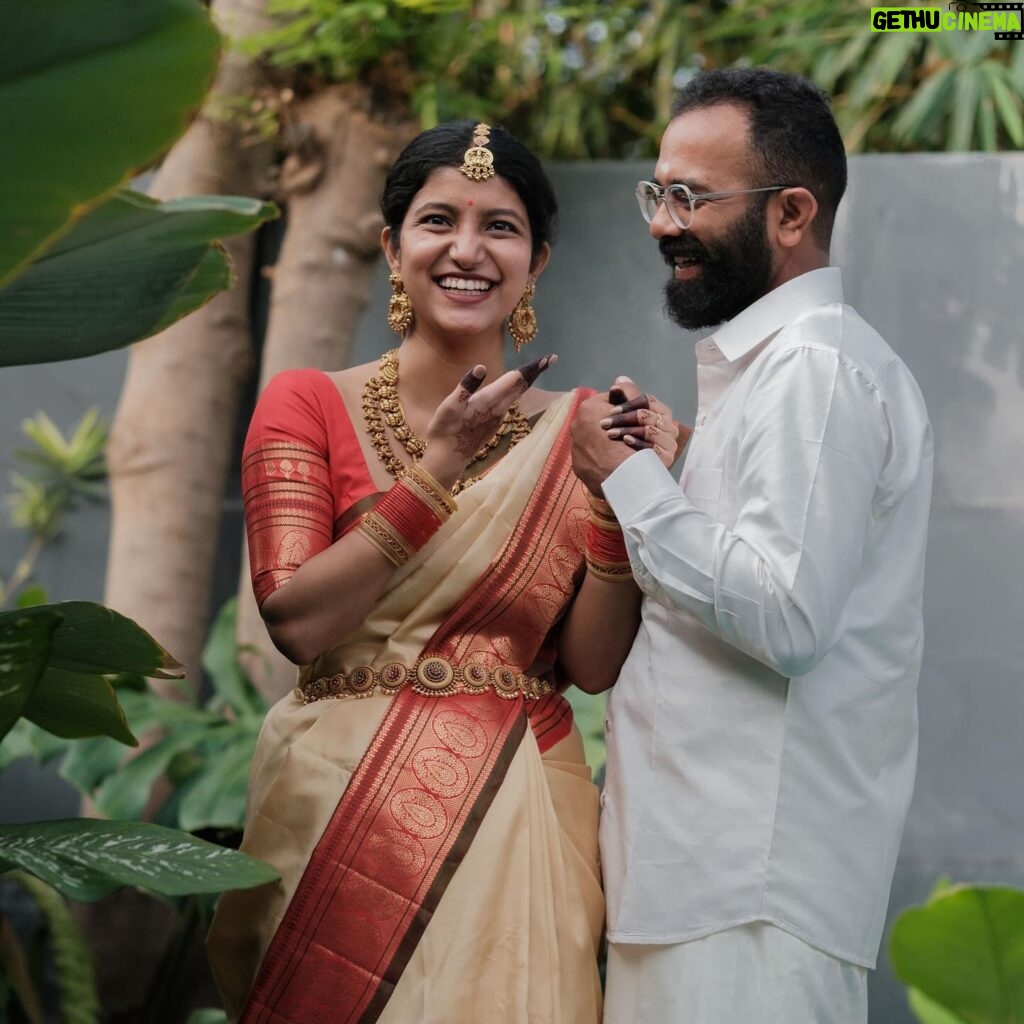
661	191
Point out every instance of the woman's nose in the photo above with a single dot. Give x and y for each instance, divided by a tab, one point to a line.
466	246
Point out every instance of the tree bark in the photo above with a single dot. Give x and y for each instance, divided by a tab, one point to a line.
331	180
174	429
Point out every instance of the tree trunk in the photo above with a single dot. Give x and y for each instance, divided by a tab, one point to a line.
331	181
174	429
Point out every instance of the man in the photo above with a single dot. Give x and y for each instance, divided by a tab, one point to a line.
762	734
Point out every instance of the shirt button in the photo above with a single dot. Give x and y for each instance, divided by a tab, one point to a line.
604	797
607	725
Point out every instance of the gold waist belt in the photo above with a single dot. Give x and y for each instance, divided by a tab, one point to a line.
431	676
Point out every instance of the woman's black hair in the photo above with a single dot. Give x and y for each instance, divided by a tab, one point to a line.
444	146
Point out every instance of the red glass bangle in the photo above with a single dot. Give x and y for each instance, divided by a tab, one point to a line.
409	515
605	547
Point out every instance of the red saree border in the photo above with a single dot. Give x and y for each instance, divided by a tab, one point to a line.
395	840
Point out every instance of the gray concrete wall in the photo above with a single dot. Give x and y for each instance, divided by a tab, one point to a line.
932	249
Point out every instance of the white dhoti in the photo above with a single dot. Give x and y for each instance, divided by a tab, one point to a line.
752	974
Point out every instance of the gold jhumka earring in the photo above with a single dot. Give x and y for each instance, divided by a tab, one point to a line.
522	324
399	307
478	160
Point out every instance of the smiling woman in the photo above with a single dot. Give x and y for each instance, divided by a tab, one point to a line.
418	543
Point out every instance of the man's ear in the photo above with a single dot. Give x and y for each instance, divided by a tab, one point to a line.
794	213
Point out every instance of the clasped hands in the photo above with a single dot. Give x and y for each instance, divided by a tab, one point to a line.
608	429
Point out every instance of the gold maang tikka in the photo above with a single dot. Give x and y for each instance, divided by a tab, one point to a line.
478	160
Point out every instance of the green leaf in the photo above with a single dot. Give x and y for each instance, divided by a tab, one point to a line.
929	105
72	705
87	859
212	275
963	950
91	90
99	641
216	798
1007	102
124	272
968	90
31	596
220	660
89	762
888	59
26	637
28	740
124	793
929	1012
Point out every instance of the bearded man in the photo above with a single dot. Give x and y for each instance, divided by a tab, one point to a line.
762	734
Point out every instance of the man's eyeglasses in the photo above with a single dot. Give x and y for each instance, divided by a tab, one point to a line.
681	202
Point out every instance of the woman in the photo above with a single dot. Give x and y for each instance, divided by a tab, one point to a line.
420	546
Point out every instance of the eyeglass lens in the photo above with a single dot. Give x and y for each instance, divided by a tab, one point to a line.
677	199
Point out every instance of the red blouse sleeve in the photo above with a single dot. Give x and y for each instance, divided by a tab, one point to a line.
286	479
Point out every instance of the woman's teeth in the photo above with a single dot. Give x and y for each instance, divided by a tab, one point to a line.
461	284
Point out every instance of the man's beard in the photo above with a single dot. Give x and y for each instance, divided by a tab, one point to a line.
735	272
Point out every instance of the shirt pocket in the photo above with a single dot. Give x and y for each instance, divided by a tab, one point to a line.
702	485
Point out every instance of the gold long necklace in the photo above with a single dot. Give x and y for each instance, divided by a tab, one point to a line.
382	406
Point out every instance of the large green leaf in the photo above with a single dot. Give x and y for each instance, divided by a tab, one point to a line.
72	705
965	951
89	91
89	859
96	640
25	642
127	270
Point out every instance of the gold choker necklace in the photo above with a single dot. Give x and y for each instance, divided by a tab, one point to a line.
381	406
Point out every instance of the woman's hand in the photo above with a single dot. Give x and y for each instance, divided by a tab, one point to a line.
471	414
645	422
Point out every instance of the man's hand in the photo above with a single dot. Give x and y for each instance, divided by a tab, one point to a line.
595	455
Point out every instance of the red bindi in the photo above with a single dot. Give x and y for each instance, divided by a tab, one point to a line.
469	202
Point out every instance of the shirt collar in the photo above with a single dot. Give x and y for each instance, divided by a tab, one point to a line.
738	336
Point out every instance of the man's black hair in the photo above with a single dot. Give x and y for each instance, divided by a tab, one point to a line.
793	135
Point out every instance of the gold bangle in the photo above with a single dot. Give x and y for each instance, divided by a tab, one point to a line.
385	538
599	507
434	494
612	573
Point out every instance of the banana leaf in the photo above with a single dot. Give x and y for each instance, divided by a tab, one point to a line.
125	271
90	91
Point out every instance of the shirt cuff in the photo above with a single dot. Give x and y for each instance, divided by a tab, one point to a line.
636	484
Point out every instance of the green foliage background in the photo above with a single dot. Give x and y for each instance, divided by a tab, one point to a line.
595	79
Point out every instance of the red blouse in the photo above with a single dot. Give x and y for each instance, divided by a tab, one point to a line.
302	469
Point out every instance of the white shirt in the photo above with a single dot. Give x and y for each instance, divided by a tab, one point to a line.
762	735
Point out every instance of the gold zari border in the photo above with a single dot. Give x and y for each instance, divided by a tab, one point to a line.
432	677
